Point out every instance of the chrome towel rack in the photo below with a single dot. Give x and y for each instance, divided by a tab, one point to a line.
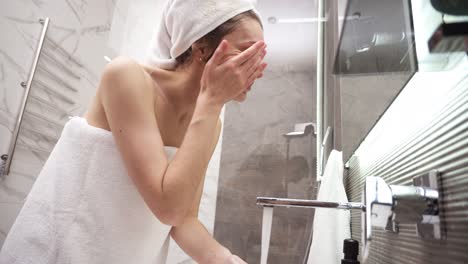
6	169
47	63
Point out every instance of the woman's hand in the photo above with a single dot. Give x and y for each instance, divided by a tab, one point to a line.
223	80
235	260
222	256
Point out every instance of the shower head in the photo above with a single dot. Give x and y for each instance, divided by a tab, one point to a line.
302	129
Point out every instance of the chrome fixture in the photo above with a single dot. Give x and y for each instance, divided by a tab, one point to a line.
302	129
45	23
47	97
320	86
386	206
391	205
278	202
4	159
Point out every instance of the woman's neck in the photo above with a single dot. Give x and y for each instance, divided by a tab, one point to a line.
179	88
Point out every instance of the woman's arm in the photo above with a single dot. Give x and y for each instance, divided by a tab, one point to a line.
167	188
126	93
198	243
193	237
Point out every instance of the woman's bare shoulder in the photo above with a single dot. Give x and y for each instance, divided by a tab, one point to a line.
123	68
124	82
125	75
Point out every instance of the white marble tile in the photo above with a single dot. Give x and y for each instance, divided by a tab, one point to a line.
134	27
72	57
9	213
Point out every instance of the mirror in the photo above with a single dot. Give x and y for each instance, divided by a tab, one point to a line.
377	37
382	45
364	100
398	36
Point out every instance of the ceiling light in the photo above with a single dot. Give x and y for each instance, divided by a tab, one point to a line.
274	20
301	20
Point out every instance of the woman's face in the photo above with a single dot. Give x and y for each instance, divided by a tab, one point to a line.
247	32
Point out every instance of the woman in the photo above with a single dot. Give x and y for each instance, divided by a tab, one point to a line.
129	174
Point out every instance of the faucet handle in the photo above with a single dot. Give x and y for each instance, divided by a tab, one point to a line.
378	201
388	205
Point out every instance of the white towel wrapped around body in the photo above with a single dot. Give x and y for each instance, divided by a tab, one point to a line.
186	21
84	208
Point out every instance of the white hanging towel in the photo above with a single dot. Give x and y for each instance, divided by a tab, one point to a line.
331	226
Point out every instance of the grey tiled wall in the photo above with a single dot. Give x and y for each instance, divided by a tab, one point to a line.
257	160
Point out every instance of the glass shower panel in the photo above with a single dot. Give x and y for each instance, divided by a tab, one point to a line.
257	159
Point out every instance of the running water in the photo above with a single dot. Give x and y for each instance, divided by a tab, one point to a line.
266	232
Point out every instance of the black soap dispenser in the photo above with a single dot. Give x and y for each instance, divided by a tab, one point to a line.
351	251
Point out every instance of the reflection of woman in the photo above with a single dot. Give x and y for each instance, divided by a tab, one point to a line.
130	173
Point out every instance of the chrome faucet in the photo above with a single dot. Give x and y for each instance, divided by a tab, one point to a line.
385	206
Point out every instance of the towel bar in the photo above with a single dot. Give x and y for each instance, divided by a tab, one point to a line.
11	151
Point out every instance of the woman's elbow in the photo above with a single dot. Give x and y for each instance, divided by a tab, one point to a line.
168	208
171	217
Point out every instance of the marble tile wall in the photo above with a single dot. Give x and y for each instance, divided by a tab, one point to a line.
65	81
134	27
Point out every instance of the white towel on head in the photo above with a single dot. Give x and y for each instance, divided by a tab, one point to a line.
186	21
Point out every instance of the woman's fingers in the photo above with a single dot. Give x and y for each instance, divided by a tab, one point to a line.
257	74
249	53
218	55
224	80
250	68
